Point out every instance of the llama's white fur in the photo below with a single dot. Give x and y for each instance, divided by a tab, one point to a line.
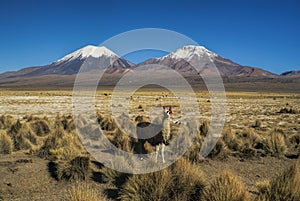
159	134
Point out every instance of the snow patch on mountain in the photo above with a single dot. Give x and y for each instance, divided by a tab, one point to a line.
88	51
189	52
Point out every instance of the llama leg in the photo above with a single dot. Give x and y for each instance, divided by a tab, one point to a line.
156	154
163	152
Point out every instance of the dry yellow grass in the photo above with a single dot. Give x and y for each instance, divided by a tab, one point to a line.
84	192
285	187
226	187
6	144
182	181
275	144
73	170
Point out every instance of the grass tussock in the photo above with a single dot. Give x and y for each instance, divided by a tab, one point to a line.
61	145
40	128
141	118
22	136
285	187
294	140
275	144
6	122
257	123
73	170
182	181
226	187
288	110
230	139
6	144
112	175
84	192
107	123
122	141
204	127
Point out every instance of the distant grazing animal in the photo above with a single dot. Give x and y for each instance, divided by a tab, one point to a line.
157	135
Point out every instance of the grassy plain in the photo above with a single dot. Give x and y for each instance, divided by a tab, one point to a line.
41	157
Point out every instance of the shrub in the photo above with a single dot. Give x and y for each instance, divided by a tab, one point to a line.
285	187
76	169
181	181
6	144
226	187
275	144
84	192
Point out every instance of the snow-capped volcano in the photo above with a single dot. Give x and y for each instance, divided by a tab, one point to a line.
188	60
190	51
88	51
191	60
71	63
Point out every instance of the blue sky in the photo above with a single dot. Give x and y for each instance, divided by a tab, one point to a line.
262	34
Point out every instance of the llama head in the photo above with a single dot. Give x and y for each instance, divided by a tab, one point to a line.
167	111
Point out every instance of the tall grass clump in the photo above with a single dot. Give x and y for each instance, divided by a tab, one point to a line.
22	136
6	144
61	145
73	170
230	139
275	144
84	192
40	128
285	187
122	141
112	175
226	187
181	181
6	122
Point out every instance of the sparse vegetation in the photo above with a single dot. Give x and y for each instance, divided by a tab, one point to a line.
182	181
252	130
6	144
73	170
285	187
6	121
84	192
275	144
257	123
226	187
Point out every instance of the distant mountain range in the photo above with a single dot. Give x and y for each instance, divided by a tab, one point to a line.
293	73
182	60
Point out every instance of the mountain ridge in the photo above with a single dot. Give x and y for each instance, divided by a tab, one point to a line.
183	60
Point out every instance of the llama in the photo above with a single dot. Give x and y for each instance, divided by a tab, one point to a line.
157	135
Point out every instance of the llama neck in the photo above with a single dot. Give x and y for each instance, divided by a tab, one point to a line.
166	120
